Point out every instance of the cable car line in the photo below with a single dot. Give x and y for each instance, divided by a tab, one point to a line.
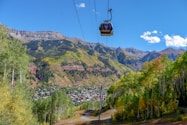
107	8
95	16
78	19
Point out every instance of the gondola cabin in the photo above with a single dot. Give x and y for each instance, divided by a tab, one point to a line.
106	29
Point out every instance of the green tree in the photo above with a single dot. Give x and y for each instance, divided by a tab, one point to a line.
43	73
179	78
145	94
13	58
53	108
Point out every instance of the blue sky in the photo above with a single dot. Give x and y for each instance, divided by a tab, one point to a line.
141	24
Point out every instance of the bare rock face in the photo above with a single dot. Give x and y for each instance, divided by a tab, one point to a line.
26	36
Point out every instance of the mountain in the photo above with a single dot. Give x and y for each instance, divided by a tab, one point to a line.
27	36
72	61
172	53
150	56
169	52
76	62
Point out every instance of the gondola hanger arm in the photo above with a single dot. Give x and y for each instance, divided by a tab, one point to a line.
110	11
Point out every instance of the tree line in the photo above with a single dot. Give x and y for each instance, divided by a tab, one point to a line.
16	103
17	106
158	89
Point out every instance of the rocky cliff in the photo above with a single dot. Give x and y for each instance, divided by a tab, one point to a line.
27	36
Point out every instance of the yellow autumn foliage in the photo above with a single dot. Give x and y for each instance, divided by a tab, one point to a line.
141	104
15	108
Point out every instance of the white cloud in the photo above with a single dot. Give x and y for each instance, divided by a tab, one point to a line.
81	5
175	41
155	32
148	36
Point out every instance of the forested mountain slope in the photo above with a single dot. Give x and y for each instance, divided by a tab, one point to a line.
71	61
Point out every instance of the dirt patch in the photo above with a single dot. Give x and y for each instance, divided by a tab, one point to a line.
73	121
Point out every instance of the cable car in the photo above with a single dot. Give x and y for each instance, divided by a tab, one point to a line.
106	29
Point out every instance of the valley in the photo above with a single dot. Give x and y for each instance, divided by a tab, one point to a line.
55	79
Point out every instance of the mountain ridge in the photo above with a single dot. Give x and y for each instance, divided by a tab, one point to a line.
133	53
73	60
26	36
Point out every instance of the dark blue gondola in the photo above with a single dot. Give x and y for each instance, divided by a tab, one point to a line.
106	29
